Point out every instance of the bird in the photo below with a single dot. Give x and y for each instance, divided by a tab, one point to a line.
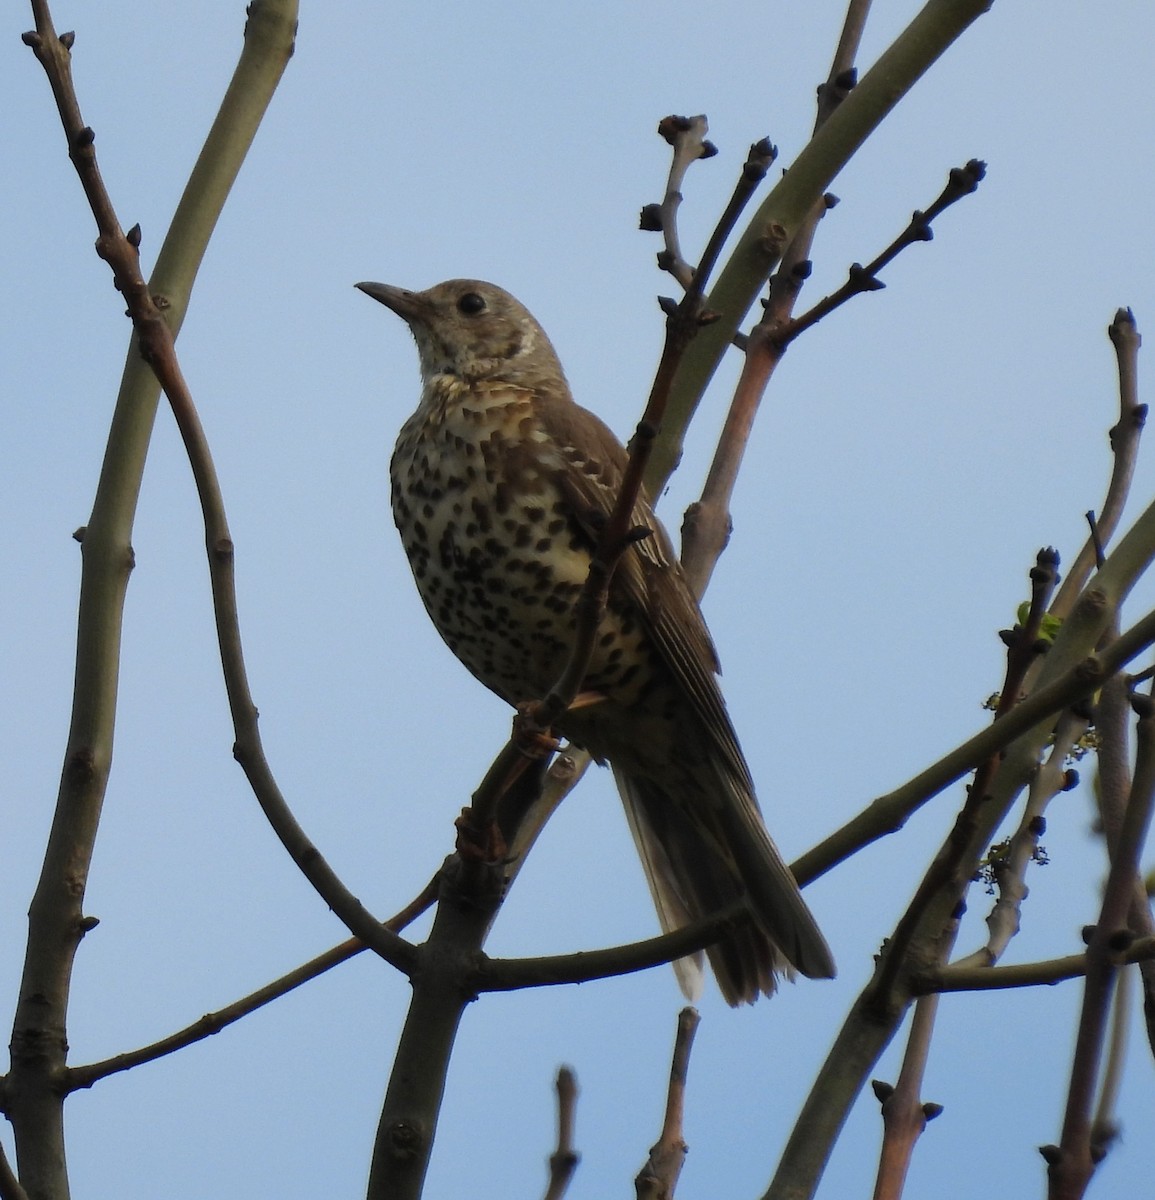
499	485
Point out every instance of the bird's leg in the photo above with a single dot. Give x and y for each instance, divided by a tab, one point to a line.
483	843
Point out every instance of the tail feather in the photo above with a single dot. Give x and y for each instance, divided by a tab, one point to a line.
668	900
774	892
698	862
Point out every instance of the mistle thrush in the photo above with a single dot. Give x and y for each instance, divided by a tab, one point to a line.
500	484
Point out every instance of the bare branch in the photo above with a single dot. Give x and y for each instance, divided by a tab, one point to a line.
10	1188
1105	1127
214	1022
935	28
56	919
1113	787
1124	435
563	1162
687	136
511	974
531	740
1053	970
961	182
1071	1164
904	1114
658	1179
1009	864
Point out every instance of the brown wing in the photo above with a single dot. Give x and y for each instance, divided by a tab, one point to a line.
650	579
649	576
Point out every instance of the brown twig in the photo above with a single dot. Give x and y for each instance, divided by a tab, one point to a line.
658	1179
248	748
214	1022
1113	787
706	526
657	217
563	1162
1008	863
888	813
618	534
1125	435
10	1188
687	137
957	978
950	871
753	257
1105	1126
1071	1163
904	1114
56	920
961	182
582	966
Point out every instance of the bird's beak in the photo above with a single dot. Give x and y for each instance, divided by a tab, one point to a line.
409	306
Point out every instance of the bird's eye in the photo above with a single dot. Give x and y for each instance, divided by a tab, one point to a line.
471	304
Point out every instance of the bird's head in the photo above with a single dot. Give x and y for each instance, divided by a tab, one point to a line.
473	331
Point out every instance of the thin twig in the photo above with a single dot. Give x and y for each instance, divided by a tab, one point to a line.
1105	1126
658	1179
214	1022
706	526
563	1162
1125	435
687	137
961	182
549	970
1113	787
56	921
1036	974
1008	867
781	213
248	748
904	1113
949	870
10	1188
759	159
618	534
775	332
889	813
1071	1164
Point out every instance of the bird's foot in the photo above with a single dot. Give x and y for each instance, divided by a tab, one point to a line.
481	843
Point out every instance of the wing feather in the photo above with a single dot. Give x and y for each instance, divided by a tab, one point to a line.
649	577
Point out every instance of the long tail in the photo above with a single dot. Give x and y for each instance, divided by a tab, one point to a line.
697	862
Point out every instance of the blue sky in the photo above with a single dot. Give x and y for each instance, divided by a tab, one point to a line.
913	454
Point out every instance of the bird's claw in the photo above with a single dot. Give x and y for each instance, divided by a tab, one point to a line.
484	844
